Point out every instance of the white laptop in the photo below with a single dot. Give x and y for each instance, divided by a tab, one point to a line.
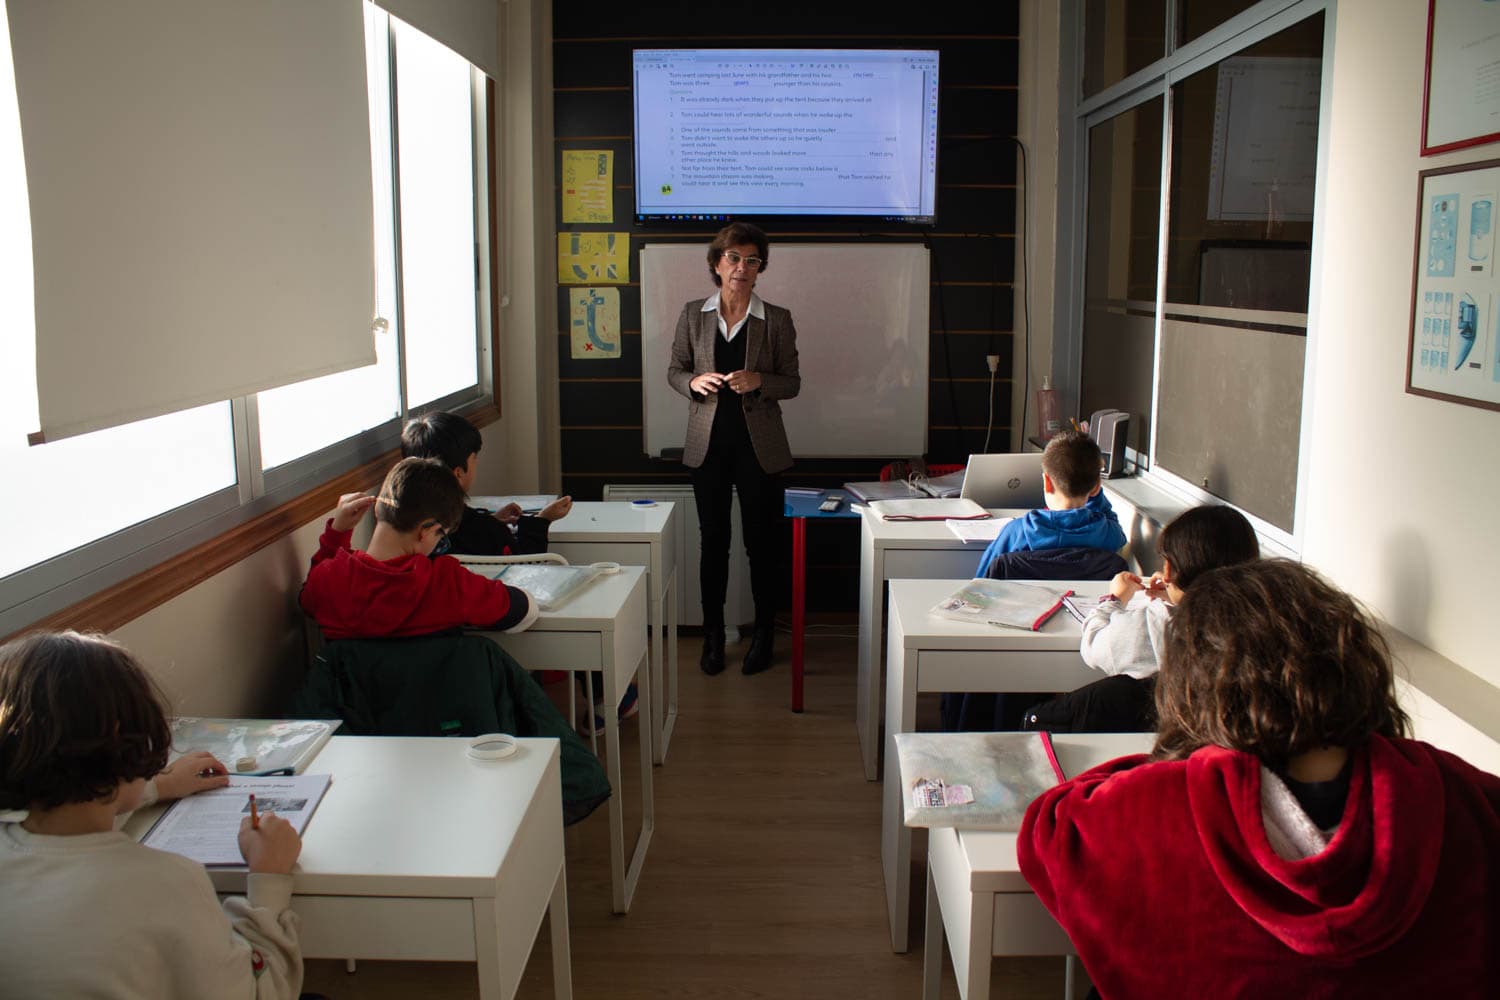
1013	480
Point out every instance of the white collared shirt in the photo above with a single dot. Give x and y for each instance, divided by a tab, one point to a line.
757	309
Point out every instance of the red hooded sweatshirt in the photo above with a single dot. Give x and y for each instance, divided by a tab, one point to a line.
1164	879
352	596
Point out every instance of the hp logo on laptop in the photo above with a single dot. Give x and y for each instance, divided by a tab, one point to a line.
1014	483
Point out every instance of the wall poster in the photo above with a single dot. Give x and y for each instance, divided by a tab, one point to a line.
1461	98
1454	349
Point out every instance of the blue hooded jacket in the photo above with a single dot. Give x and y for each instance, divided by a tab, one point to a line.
1092	526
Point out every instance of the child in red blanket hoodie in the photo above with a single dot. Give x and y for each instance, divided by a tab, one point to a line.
1284	838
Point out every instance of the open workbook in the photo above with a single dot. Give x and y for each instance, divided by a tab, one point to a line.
973	780
206	826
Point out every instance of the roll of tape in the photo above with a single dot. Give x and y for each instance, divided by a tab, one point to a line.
492	746
606	567
643	503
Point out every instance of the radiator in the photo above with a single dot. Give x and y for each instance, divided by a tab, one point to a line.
739	606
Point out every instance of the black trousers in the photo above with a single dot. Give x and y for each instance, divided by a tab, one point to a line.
730	465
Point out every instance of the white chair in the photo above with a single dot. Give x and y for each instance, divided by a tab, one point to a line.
480	563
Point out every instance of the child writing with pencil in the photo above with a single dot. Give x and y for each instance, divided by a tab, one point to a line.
87	910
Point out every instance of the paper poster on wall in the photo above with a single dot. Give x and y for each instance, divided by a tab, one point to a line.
594	322
587	258
588	186
1463	64
1454	350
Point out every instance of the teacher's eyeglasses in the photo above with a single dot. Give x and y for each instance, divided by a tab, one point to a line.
735	260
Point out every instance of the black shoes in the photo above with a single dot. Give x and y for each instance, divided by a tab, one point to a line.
760	653
712	660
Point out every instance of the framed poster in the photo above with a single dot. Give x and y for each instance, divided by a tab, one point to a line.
1461	102
1454	348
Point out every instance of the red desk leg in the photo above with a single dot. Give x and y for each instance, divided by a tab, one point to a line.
799	605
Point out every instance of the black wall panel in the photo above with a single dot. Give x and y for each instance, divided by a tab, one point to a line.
973	244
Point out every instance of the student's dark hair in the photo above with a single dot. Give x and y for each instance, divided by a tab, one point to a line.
418	490
446	437
1206	538
733	235
78	715
1269	658
1073	462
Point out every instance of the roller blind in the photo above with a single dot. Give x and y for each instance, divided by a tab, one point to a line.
468	27
199	181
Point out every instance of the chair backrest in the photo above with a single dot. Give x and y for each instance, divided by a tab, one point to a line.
1057	564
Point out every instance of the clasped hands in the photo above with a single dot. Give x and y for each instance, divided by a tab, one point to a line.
1127	585
710	382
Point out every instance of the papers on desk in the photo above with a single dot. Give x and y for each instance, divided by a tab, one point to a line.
206	826
254	746
1002	602
904	489
973	780
930	509
529	503
979	531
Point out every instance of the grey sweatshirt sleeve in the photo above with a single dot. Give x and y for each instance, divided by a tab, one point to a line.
1125	639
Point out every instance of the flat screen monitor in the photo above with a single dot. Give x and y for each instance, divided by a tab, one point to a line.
785	133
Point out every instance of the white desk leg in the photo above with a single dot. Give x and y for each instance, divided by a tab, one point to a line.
867	693
623	880
974	980
557	923
895	837
487	949
663	626
932	945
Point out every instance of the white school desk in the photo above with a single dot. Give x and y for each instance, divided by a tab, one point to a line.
927	653
602	627
898	550
976	893
619	531
420	853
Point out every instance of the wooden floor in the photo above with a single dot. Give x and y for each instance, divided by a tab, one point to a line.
763	877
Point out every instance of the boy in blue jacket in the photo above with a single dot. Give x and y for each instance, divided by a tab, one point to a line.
1077	514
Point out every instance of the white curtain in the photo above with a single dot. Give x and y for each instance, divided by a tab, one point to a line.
199	182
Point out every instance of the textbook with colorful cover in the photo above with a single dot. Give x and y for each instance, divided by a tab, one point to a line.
972	781
206	826
1002	602
254	746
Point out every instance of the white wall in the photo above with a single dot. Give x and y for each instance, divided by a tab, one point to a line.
1401	490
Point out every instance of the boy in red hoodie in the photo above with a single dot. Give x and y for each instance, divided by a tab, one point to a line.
394	587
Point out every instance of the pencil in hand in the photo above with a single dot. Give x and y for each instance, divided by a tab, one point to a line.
254	816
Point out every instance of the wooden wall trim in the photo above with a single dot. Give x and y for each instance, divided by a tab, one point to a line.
115	606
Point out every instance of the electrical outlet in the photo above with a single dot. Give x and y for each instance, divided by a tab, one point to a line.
993	360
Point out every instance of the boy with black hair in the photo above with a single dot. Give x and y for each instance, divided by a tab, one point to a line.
1077	514
395	587
455	442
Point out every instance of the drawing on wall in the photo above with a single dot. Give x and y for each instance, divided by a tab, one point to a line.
594	322
588	186
1463	58
587	258
1454	349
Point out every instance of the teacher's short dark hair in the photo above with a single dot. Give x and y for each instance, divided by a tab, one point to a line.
733	235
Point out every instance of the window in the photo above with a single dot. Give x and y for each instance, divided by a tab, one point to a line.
97	508
1197	325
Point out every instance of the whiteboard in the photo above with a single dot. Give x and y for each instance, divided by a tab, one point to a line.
861	312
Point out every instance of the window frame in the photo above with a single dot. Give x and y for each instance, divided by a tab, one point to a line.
107	582
1077	115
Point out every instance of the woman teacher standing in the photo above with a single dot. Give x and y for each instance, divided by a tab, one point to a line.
734	356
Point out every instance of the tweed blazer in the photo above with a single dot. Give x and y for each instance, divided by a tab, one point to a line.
770	349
